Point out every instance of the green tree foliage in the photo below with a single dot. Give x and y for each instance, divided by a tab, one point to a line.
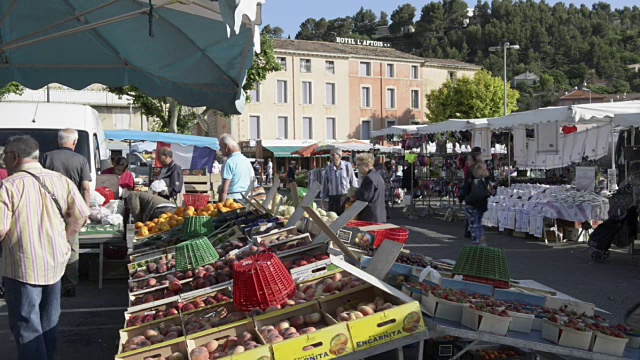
275	32
384	19
469	98
11	88
171	116
365	22
401	17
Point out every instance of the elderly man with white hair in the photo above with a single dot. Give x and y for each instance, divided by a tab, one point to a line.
338	178
237	171
76	167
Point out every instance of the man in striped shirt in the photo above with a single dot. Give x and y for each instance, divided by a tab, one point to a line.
40	210
337	179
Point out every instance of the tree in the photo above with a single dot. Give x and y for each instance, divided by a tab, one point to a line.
383	20
171	116
470	98
11	88
402	17
274	32
365	22
312	29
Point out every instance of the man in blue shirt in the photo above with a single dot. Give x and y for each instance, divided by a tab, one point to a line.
237	171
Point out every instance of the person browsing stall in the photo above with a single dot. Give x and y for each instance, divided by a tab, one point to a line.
371	190
338	178
237	171
40	212
75	167
145	206
171	173
121	168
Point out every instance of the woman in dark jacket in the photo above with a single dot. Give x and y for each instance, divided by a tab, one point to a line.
372	189
476	197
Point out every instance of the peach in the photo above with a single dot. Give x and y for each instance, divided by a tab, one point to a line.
281	325
199	353
176	356
297	321
365	310
273	308
156	339
307	330
211	346
152	282
151	267
237	350
149	333
312	318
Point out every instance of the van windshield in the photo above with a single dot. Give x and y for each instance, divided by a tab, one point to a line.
48	140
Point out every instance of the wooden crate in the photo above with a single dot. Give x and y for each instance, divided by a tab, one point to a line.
197	184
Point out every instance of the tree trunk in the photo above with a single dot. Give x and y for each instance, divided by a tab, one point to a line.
173	116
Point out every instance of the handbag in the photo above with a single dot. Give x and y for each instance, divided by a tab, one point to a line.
44	187
478	193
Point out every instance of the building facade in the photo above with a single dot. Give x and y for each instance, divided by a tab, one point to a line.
337	91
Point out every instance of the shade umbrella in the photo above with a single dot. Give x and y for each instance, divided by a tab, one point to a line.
453	125
306	151
195	51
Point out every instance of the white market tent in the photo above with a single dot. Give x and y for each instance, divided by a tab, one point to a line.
356	146
396	130
453	125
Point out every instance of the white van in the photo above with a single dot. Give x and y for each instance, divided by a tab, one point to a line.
43	120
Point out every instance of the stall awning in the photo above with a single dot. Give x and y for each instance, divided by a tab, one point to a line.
283	151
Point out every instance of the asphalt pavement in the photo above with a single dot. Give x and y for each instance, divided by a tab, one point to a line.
90	322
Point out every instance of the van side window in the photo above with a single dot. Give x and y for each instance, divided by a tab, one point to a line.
96	154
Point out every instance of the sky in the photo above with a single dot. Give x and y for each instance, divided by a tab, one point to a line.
289	14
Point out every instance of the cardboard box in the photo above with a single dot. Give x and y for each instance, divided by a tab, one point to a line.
521	322
167	348
326	343
300	241
402	320
273	232
222	334
216	316
328	278
565	336
166	306
126	334
468	287
606	344
578	306
140	262
312	270
441	308
485	322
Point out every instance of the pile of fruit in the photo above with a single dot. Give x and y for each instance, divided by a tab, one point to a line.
276	239
487	354
490	307
211	319
345	313
296	261
153	267
329	286
292	328
150	316
168	331
168	221
618	331
227	247
412	260
231	346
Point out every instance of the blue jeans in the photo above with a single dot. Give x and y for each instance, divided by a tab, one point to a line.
34	311
474	217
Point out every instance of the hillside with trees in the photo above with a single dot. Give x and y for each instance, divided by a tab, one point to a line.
566	45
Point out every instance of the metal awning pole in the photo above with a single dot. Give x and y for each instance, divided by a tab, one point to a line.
614	183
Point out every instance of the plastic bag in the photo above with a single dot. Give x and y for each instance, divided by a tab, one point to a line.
96	199
113	219
430	274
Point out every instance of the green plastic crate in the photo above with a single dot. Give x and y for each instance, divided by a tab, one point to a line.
482	262
194	226
194	253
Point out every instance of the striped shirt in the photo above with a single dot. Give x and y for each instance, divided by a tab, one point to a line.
338	181
35	249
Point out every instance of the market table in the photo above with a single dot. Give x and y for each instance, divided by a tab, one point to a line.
94	236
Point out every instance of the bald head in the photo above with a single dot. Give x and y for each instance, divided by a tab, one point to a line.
68	138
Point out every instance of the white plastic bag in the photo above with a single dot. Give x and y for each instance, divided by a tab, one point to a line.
96	199
113	219
430	274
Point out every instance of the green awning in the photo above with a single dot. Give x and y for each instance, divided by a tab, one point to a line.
283	151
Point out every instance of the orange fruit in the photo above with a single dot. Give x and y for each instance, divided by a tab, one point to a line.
191	208
139	225
180	221
155	221
173	223
144	231
209	207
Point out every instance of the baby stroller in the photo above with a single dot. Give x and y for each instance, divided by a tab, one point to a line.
607	232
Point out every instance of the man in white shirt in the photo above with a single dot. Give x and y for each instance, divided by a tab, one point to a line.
269	170
338	178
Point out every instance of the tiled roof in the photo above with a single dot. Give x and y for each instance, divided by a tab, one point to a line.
580	94
527	76
361	51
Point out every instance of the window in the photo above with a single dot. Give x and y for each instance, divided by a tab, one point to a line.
282	92
414	72
391	98
307	131
452	76
391	71
331	128
307	96
305	65
254	127
255	94
330	94
330	66
415	99
283	63
365	130
365	97
391	123
365	69
283	127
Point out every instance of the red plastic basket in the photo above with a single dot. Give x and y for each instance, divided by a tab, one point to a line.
261	281
396	234
198	201
358	223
